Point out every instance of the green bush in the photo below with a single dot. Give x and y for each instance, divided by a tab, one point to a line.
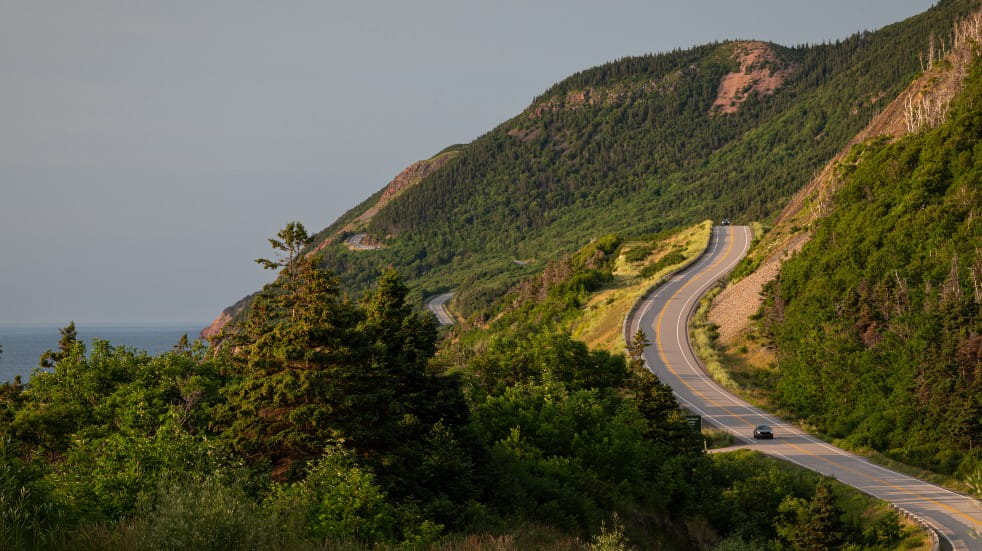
30	517
670	259
212	513
338	499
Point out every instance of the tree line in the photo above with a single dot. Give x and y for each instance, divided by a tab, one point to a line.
319	421
877	320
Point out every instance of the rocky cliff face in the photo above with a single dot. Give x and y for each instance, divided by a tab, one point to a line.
409	177
216	326
222	320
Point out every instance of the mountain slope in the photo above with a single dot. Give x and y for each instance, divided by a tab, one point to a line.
634	146
637	146
877	321
874	326
909	112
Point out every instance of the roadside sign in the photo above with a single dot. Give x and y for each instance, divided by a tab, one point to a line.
695	422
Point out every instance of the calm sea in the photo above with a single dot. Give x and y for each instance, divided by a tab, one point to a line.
23	344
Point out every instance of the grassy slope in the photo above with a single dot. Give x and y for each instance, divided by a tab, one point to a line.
601	323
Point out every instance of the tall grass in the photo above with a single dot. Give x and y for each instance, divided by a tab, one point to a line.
704	335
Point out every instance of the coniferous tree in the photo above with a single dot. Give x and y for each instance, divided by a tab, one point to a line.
636	348
69	337
823	530
812	525
295	358
655	401
412	418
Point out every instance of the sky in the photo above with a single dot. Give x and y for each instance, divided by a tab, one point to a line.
149	149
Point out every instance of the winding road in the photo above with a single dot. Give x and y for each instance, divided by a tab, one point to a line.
664	316
357	242
437	305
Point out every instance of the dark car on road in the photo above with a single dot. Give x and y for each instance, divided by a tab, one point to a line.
725	222
763	431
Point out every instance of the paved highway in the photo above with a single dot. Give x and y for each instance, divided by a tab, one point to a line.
437	305
356	241
664	316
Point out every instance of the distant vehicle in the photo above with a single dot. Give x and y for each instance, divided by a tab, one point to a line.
725	222
763	431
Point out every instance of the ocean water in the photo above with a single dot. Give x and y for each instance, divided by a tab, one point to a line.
23	344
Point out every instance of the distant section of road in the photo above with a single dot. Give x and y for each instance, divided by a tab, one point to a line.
437	305
664	317
356	241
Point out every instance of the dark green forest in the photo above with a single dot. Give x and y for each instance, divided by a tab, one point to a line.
647	155
323	423
877	320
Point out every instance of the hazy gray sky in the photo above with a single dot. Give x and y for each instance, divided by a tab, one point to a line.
148	149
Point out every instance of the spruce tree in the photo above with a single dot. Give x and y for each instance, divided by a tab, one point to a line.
636	348
408	411
294	360
69	337
813	525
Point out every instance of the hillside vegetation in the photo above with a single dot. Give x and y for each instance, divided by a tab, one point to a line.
322	423
877	321
637	146
330	414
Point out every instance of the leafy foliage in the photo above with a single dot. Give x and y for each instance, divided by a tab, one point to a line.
322	422
318	420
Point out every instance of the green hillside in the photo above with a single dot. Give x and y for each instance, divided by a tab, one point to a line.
877	321
334	414
637	146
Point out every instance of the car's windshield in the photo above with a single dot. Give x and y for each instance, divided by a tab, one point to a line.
763	427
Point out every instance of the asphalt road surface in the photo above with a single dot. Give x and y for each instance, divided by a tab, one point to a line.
356	241
437	305
664	317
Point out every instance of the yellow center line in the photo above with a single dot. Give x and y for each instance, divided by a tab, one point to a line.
714	403
661	315
949	508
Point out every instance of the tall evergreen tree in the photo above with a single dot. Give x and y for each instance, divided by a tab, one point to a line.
294	359
636	348
69	336
312	369
412	417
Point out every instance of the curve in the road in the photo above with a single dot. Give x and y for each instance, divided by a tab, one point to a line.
437	305
665	314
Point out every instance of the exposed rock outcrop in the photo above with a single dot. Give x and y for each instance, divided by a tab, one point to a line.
224	318
216	326
412	175
761	71
933	91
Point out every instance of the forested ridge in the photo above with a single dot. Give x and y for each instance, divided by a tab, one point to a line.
635	146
